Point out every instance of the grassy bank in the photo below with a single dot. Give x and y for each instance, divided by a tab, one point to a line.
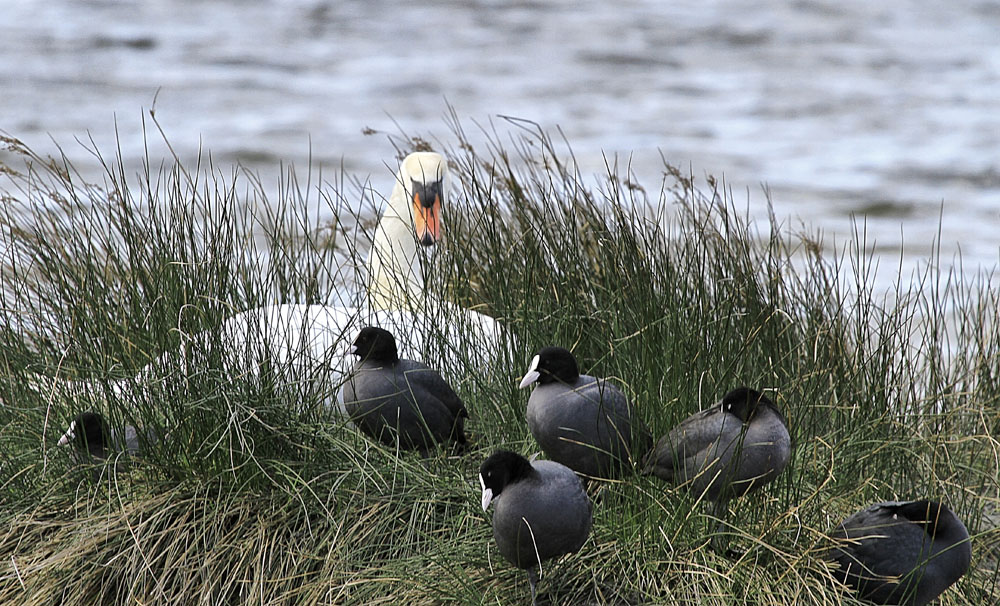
260	496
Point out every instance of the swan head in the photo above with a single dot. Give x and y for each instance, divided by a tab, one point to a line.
419	194
412	216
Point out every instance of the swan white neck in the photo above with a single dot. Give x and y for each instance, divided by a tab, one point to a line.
394	265
395	277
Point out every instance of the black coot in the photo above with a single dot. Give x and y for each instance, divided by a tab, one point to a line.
902	552
541	511
392	400
580	421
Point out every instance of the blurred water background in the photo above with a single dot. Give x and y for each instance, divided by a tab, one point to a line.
884	111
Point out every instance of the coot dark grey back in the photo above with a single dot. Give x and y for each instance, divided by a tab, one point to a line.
405	400
542	517
586	425
902	552
718	455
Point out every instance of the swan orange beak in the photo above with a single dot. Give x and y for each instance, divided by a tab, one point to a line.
427	212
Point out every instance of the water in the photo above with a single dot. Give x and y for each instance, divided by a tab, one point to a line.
885	111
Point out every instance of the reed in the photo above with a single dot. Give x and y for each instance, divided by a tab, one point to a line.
261	496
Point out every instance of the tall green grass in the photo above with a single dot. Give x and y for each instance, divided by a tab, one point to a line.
259	495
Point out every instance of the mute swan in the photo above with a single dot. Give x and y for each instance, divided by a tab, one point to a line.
308	340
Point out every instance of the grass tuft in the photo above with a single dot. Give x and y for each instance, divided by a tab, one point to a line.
258	495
